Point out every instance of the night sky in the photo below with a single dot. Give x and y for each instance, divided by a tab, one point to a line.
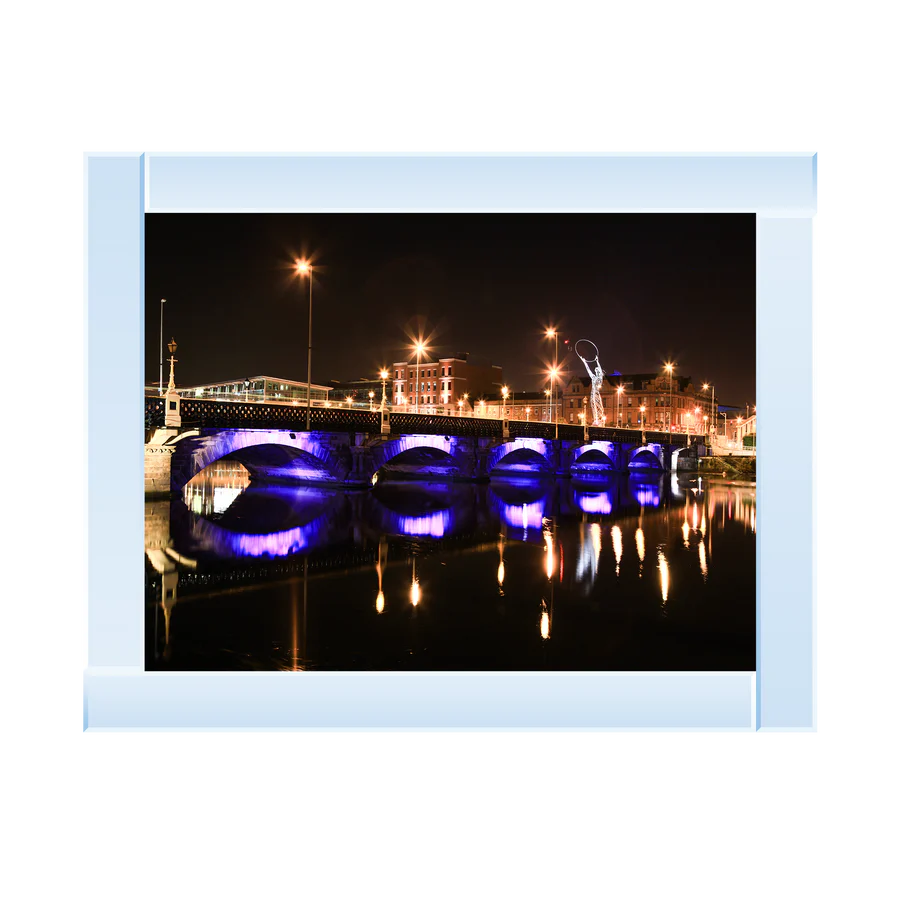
644	288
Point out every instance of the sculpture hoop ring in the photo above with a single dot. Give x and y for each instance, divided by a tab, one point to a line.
596	355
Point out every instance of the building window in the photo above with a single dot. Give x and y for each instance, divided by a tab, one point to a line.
449	370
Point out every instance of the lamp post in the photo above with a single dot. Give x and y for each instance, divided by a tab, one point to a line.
547	394
527	413
384	377
420	349
553	333
553	374
670	368
304	268
371	401
505	391
619	391
643	409
161	302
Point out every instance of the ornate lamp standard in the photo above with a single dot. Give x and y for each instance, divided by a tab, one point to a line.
505	391
372	401
384	377
643	409
619	391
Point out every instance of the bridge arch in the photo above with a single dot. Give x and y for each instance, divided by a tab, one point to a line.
267	455
598	455
647	456
521	455
424	455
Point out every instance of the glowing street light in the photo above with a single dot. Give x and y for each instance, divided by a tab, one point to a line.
371	398
670	368
619	391
643	409
383	374
420	349
303	268
554	334
527	413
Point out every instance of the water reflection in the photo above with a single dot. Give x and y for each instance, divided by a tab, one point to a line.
473	560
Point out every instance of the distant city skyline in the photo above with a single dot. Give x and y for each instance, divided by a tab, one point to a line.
646	288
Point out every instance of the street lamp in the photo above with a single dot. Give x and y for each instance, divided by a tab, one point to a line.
505	391
161	302
553	374
384	377
619	391
553	333
420	349
670	368
527	413
643	409
304	268
371	398
547	394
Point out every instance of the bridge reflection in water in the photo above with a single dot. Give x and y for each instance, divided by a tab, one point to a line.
604	571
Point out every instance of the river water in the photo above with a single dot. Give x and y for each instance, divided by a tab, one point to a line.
640	572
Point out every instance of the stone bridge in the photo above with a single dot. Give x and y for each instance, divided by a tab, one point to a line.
355	448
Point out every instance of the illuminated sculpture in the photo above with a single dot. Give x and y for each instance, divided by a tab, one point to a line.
596	375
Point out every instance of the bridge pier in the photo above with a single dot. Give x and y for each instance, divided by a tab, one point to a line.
158	464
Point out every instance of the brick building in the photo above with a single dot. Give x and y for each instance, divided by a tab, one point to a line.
443	383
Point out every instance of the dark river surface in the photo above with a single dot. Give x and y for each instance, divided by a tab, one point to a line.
626	572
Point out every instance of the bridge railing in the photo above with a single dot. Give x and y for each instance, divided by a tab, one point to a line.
200	413
197	413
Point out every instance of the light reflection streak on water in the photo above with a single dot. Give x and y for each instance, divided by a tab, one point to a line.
701	549
594	503
279	543
663	577
548	549
639	541
648	496
545	621
589	555
695	522
434	524
596	541
524	516
617	545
